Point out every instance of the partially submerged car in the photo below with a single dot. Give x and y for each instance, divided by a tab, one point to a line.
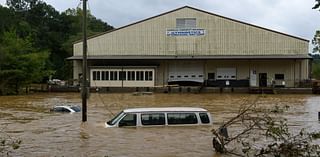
168	116
66	109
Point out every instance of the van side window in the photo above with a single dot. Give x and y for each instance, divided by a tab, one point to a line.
204	118
128	120
182	118
153	119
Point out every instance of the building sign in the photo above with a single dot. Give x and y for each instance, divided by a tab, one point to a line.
186	32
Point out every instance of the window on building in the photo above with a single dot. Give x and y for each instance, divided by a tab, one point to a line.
106	75
148	75
186	23
279	76
113	75
131	75
98	75
153	119
139	75
122	75
94	75
182	118
103	75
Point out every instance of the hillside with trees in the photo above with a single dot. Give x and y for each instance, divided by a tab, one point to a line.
316	49
36	39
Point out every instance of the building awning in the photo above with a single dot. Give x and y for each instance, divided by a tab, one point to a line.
240	57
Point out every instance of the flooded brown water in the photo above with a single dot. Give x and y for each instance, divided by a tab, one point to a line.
44	133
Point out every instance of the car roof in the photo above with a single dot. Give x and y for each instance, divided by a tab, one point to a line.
64	106
165	109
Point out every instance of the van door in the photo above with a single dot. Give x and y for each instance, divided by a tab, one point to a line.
128	120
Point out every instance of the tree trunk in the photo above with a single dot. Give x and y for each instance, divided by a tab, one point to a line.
17	88
218	146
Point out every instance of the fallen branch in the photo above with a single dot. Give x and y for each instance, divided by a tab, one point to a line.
257	123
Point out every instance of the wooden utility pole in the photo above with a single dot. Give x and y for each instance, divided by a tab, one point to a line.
84	88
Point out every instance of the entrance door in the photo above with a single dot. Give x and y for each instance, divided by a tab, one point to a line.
262	79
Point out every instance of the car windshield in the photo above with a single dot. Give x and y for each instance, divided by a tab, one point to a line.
116	118
76	108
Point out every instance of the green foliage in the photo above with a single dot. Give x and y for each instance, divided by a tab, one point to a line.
20	63
316	69
7	17
35	40
316	49
316	42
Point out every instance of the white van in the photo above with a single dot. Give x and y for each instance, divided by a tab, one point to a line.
168	116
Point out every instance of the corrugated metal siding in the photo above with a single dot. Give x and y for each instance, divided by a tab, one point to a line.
77	65
223	37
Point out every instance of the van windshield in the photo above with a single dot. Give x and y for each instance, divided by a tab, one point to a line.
116	118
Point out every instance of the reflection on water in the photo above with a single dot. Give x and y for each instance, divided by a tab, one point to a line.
54	134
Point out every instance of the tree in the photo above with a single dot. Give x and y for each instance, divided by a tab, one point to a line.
7	18
317	5
72	19
263	132
20	63
316	42
316	68
316	49
316	38
48	31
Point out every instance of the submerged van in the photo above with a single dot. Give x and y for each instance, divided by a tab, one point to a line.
168	116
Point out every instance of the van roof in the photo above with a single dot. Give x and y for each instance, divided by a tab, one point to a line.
166	109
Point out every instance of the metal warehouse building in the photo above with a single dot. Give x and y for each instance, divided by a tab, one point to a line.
188	46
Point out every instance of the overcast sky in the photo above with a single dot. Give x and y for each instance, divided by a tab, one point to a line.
294	17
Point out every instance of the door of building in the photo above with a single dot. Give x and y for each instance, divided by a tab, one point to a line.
262	79
185	71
